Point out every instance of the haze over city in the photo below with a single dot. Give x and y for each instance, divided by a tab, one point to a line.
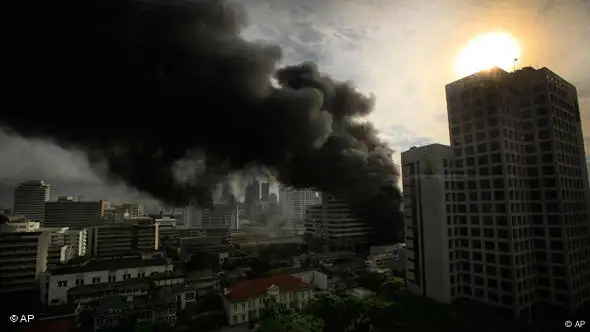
402	51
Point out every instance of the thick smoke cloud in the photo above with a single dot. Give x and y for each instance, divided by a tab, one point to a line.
148	85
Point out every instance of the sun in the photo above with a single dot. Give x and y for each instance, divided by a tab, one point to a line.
494	49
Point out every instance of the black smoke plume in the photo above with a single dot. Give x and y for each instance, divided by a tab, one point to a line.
172	97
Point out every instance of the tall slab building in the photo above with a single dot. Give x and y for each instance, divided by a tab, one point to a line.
519	208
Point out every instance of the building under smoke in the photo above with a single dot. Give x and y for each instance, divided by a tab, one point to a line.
189	56
294	204
331	225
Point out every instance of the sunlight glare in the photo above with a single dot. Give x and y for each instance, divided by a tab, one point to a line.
496	49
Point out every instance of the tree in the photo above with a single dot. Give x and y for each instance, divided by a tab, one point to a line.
373	281
337	312
392	288
276	319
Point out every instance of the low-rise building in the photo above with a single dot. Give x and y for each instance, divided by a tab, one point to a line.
244	301
58	281
202	281
315	278
190	246
115	312
129	290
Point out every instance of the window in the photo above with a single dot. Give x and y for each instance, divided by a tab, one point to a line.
96	280
62	283
141	275
112	278
79	282
126	276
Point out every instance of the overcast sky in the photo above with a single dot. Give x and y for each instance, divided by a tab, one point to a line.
402	51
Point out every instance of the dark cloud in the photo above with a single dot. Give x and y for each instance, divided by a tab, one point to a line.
112	77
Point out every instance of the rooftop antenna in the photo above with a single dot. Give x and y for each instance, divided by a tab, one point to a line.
514	64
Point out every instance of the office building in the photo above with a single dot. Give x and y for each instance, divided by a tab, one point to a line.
424	171
112	240
294	204
30	198
67	211
332	226
520	208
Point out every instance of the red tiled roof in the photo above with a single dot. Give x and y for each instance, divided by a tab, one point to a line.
246	289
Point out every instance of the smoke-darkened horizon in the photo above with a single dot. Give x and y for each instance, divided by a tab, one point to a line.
105	76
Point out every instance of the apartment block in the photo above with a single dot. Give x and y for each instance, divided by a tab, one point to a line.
428	240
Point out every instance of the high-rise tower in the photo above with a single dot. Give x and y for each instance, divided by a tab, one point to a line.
519	199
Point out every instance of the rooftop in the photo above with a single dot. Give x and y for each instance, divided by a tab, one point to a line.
102	265
247	289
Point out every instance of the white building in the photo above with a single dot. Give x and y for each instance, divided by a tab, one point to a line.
426	230
23	259
30	198
294	204
58	281
110	240
332	225
244	301
314	278
67	211
77	238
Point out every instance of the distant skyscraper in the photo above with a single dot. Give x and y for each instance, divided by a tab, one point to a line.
425	213
264	190
30	198
519	201
252	193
